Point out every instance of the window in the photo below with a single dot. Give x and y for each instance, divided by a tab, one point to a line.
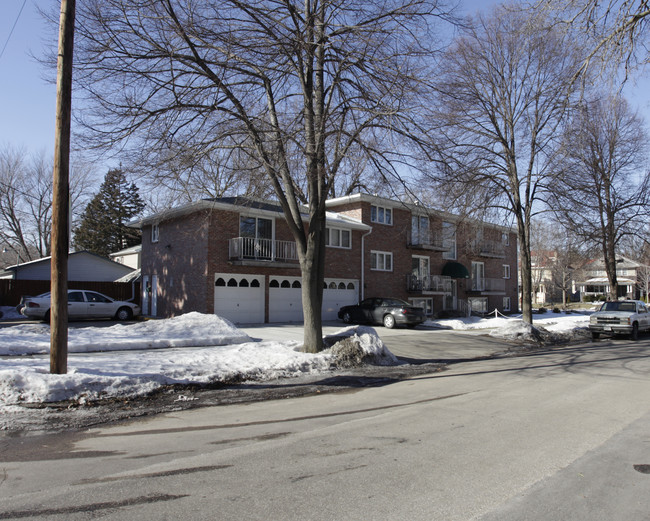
506	303
478	276
337	238
381	261
96	297
420	230
424	303
379	214
478	304
506	271
449	241
505	239
155	233
256	237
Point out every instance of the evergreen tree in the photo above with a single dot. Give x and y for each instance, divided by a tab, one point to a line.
103	227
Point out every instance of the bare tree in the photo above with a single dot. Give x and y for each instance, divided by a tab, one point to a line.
604	185
297	86
616	29
504	92
26	201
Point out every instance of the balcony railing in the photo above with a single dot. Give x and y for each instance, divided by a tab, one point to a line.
427	239
433	283
486	248
488	285
247	248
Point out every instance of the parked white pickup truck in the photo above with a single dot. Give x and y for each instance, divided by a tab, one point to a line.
620	317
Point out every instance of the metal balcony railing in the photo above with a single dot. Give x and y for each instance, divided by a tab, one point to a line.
486	284
436	283
427	239
247	248
487	248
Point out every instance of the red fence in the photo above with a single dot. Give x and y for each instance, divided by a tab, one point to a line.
11	290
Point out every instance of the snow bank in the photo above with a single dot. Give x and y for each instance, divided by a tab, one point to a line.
191	329
131	373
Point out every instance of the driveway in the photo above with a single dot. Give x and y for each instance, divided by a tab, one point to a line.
416	346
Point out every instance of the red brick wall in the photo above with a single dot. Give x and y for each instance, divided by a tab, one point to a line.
191	249
179	259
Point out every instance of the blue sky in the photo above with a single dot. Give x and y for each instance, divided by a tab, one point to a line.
27	101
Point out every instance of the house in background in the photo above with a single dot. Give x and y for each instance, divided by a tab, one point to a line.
543	264
235	257
82	266
129	256
632	278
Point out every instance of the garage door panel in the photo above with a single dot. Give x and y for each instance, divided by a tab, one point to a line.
338	293
285	299
239	298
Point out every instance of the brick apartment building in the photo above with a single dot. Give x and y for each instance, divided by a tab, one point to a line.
236	257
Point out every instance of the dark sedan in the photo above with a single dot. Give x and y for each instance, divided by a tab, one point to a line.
387	311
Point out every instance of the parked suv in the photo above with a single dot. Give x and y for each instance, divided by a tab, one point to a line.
620	317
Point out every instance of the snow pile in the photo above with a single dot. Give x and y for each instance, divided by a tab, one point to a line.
136	370
131	373
358	345
192	329
560	325
9	313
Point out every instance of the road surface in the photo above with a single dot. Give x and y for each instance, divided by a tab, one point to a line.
558	434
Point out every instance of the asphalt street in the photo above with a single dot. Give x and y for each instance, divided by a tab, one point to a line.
561	433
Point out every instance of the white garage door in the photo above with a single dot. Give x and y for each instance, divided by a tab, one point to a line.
338	293
239	298
285	299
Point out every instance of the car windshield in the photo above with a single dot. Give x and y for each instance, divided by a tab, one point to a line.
619	306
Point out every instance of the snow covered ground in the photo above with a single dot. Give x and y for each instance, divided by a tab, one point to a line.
135	359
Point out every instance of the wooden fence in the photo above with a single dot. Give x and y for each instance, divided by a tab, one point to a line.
11	290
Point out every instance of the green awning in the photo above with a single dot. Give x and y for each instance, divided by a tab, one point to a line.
455	270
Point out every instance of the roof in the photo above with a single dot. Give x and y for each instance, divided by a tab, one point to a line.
10	271
127	251
268	208
414	207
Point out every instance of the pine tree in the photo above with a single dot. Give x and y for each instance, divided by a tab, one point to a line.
103	227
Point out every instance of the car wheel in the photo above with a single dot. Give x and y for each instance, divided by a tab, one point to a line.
634	335
124	313
595	336
347	318
389	321
46	317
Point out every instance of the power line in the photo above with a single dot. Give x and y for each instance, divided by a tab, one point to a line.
12	28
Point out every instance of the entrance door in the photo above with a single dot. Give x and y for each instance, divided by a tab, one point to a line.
145	294
420	273
478	276
154	295
451	301
257	234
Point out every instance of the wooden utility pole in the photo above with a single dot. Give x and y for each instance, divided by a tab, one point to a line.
60	193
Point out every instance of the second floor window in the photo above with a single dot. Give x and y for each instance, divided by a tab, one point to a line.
337	238
155	233
506	271
379	214
449	241
381	261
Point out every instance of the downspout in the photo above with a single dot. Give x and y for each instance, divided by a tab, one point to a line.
363	273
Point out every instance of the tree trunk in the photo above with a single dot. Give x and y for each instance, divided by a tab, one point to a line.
312	266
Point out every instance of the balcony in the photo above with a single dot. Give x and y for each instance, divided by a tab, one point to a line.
486	248
426	240
428	284
485	285
247	250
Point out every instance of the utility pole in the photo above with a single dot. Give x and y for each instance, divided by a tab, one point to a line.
60	193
